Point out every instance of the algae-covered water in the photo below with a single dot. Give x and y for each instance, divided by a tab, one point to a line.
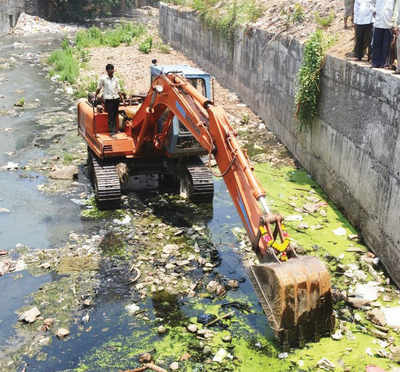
82	275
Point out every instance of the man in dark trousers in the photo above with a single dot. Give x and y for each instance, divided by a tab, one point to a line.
363	16
385	20
111	95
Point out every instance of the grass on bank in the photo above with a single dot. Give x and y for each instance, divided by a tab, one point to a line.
225	16
67	61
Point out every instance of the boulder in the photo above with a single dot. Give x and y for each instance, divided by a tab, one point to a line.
69	172
30	315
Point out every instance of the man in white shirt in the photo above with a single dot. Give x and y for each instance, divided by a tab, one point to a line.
111	95
384	22
363	16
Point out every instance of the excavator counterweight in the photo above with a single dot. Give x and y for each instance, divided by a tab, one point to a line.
163	136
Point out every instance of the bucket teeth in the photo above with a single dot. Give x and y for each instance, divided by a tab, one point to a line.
296	297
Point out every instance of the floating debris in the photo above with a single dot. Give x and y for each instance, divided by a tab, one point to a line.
132	309
326	364
340	231
220	355
62	333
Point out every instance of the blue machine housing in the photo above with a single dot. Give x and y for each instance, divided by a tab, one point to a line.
179	139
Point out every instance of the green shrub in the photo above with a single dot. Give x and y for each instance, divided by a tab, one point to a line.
298	14
325	21
146	45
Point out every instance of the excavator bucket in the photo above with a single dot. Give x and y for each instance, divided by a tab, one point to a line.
296	297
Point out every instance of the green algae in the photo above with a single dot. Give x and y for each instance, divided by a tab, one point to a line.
113	245
93	213
70	264
350	355
288	189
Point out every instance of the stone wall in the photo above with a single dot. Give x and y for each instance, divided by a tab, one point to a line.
9	13
353	150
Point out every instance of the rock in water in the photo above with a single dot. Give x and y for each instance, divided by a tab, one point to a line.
62	332
29	316
68	172
132	309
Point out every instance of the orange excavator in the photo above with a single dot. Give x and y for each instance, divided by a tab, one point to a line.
161	138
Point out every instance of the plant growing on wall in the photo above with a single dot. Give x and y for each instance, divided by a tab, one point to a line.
308	91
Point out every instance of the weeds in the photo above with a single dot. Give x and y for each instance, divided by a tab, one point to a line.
245	119
146	45
298	14
65	64
68	60
123	34
164	48
68	158
227	16
85	86
308	92
325	21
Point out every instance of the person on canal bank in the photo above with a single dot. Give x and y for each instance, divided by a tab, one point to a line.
385	20
363	18
397	33
348	11
111	95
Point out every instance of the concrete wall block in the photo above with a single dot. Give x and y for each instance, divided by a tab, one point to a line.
353	150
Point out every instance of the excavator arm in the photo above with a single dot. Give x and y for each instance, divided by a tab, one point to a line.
294	291
209	125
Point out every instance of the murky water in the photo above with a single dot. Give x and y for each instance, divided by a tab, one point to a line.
42	221
35	219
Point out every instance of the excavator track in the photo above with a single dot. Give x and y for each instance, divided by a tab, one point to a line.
106	183
197	180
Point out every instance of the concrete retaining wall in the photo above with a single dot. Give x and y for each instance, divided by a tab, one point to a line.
353	150
9	13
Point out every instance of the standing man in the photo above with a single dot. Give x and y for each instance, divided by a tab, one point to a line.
363	15
348	11
384	23
112	95
396	30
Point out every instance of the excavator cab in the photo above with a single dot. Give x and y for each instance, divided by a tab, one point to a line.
180	141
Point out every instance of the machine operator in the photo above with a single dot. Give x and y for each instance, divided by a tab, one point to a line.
111	95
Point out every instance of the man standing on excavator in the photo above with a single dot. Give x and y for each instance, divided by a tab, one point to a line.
112	95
